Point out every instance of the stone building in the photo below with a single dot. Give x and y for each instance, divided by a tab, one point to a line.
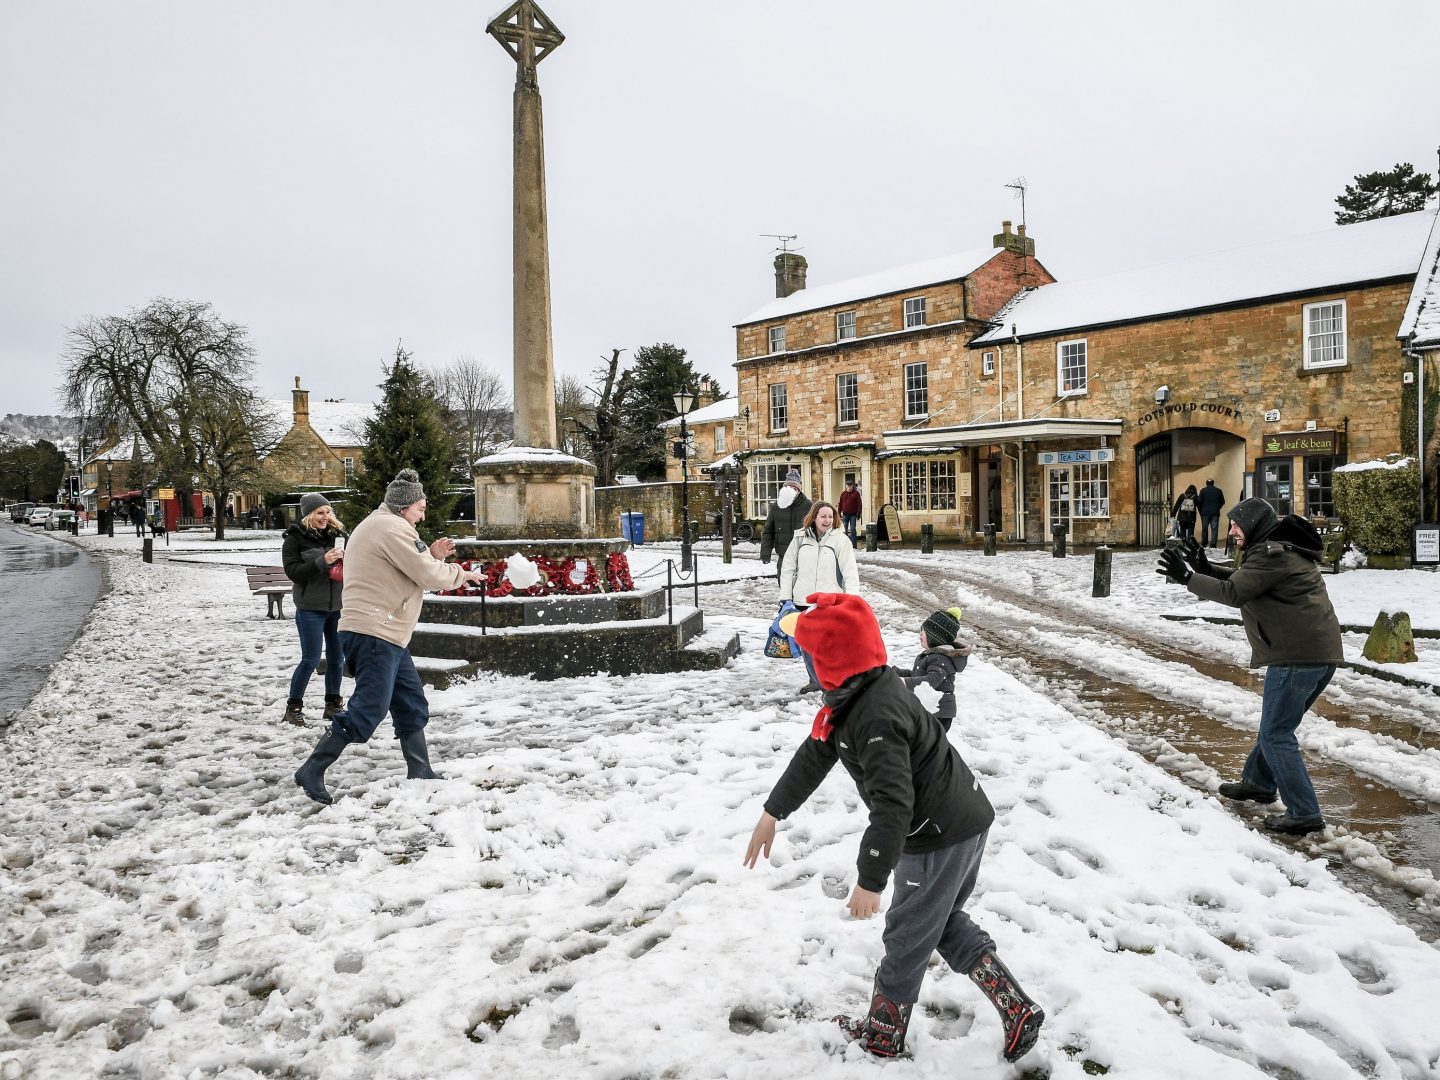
1090	403
1420	338
823	373
323	446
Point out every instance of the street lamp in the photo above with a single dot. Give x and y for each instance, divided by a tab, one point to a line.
109	503
683	402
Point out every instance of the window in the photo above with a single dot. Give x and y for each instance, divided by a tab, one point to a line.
987	363
847	399
719	442
914	311
917	391
779	412
765	483
1325	334
1319	476
922	485
777	339
845	326
1091	498
349	470
1072	368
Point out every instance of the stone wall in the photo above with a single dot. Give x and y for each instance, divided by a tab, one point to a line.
660	503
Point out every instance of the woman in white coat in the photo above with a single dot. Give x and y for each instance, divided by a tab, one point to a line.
820	559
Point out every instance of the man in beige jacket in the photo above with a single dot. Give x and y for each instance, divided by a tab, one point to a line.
388	569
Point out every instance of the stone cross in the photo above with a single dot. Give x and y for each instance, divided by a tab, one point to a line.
528	35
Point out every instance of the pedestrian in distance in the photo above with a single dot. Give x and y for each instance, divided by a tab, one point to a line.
388	570
1184	512
1209	502
928	822
819	560
851	507
137	518
311	553
785	519
1293	634
940	661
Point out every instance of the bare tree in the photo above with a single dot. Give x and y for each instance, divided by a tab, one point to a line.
239	448
572	409
168	372
602	430
478	408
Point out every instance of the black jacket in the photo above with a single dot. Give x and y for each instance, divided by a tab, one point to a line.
937	668
304	557
1179	510
781	525
1281	596
920	793
1210	500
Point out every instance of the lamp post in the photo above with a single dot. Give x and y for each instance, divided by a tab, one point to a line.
683	401
109	502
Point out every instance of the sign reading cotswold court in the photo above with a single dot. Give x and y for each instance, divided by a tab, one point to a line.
1301	442
1209	408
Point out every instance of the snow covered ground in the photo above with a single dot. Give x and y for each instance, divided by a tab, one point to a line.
569	900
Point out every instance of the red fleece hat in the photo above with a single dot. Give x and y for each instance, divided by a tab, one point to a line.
841	635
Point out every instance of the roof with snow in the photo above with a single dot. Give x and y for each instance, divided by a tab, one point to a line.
338	423
715	412
1422	313
1387	248
900	279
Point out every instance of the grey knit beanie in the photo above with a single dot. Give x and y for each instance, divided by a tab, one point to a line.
404	490
310	502
793	477
942	626
1256	519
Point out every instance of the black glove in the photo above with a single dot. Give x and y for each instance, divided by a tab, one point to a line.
1173	567
1196	557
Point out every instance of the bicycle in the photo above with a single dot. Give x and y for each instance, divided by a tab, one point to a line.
740	530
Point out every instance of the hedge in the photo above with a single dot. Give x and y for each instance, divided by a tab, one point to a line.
1378	502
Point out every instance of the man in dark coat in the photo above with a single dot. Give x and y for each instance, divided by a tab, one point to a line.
928	821
1293	634
1210	502
785	519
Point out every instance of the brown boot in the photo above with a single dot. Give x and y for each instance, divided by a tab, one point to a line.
334	703
293	715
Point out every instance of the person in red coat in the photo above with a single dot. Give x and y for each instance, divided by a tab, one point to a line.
851	506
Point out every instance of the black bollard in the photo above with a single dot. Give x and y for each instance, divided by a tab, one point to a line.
872	539
927	539
1058	529
148	550
1101	585
990	539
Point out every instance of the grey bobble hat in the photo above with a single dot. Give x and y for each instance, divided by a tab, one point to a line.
1256	519
404	490
793	477
310	502
942	626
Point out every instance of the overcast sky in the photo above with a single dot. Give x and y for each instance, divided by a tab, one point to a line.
335	174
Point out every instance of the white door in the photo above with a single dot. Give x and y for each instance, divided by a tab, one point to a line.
1057	499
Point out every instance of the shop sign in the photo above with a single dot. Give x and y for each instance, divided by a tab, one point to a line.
1209	408
889	525
1072	457
1426	542
1302	442
165	493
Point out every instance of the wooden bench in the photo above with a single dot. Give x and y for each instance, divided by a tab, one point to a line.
271	583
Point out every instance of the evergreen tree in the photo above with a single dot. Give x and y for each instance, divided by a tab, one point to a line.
407	432
658	373
1401	190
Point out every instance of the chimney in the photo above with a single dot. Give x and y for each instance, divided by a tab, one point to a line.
301	404
1017	242
705	394
789	274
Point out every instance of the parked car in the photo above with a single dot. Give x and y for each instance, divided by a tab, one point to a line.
20	511
39	516
60	519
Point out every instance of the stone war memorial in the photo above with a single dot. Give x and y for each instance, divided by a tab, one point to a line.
558	599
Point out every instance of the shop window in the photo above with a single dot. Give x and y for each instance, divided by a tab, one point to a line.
1273	483
779	410
1091	492
1325	334
917	391
845	326
765	482
1319	489
1072	368
918	486
847	398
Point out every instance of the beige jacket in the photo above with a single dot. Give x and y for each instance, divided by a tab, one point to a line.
388	568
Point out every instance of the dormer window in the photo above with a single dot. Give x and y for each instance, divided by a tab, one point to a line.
914	311
777	339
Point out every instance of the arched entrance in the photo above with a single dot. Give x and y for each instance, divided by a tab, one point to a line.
1166	464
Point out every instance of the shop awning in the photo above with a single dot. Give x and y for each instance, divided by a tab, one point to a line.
946	439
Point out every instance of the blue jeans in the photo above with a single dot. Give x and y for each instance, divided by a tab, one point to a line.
1210	530
852	522
1275	762
385	681
927	912
317	627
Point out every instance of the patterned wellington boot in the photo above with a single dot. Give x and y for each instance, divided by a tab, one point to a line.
882	1032
1021	1016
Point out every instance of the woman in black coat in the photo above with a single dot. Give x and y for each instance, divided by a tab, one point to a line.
314	547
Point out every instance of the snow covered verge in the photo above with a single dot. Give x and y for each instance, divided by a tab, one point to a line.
569	900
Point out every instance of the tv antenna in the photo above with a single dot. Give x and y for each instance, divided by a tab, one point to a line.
784	240
1019	186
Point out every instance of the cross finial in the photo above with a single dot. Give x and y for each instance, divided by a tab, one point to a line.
527	34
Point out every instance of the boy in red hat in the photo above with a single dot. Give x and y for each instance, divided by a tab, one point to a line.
928	823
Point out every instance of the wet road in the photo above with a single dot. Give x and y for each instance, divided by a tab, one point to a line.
46	588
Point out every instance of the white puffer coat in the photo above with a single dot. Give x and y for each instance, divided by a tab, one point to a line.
818	564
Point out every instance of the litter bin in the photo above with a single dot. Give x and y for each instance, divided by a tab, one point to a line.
632	528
